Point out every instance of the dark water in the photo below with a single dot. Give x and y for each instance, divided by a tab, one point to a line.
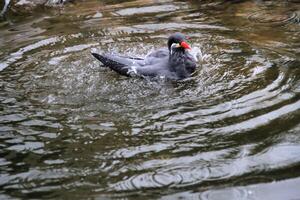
71	129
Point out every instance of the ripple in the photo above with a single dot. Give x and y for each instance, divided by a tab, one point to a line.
54	162
4	162
147	9
19	54
262	120
41	123
235	193
172	178
12	118
27	146
271	18
131	152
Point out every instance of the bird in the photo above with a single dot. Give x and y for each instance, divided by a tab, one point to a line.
174	62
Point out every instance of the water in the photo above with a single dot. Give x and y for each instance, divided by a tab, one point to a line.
72	129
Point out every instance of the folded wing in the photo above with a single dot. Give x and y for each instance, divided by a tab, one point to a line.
116	63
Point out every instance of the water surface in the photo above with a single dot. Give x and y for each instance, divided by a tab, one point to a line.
70	128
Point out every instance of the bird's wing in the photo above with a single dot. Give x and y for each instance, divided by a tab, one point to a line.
118	64
128	68
156	70
160	53
125	60
156	56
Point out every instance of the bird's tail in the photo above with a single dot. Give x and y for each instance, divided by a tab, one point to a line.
120	68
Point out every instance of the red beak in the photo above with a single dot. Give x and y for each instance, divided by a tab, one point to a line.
185	45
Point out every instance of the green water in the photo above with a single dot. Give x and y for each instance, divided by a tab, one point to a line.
71	129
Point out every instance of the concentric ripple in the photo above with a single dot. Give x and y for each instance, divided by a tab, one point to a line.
269	17
70	128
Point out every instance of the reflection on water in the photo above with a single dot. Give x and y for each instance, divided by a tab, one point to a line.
70	128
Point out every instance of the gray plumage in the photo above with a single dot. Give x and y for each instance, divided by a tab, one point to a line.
174	63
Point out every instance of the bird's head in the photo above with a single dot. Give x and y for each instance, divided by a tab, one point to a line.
177	41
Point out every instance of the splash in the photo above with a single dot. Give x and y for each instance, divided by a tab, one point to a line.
197	54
